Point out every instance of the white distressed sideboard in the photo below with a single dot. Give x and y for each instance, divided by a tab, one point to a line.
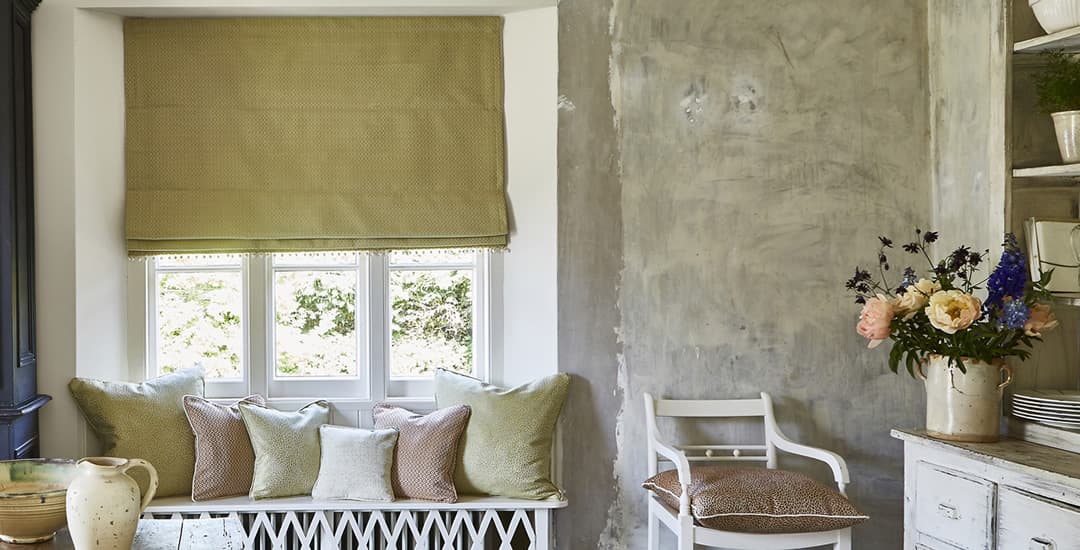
1010	495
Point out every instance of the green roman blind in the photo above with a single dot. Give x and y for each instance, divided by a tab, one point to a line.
322	133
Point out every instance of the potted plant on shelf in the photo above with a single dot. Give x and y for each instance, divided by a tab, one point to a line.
949	337
1058	87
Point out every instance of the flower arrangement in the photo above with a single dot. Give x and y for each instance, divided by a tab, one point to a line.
941	315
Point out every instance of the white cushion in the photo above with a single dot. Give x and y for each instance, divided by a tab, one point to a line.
355	464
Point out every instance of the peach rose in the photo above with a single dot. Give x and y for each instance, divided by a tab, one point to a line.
952	310
1041	320
916	297
875	320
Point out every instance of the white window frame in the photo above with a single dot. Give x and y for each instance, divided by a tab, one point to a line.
373	384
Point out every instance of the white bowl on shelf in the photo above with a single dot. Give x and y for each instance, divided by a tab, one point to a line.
1056	15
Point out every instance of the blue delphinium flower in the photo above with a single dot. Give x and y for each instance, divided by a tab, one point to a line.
1014	315
1009	277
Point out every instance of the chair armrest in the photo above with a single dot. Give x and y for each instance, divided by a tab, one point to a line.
777	439
682	466
835	461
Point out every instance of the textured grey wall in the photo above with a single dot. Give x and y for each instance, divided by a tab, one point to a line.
723	165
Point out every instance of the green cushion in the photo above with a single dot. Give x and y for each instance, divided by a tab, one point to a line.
506	448
286	448
145	421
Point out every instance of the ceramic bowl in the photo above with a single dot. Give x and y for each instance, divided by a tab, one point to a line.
33	496
1056	15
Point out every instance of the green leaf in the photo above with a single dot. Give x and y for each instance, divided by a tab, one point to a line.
894	357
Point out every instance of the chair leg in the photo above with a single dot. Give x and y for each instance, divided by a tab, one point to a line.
843	541
654	531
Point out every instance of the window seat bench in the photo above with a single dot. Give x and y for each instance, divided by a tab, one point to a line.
302	523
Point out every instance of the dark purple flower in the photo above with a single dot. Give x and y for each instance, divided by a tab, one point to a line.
930	236
1009	278
885	242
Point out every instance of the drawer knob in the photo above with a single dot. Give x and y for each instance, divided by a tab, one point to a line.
1039	543
948	511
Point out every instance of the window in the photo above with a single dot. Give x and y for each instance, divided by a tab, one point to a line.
346	326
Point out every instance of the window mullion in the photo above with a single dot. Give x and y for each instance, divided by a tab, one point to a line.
378	316
259	297
481	315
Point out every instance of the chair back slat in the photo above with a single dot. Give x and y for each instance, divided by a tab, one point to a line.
710	409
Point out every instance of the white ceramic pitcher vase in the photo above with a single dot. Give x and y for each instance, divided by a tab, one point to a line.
103	504
964	406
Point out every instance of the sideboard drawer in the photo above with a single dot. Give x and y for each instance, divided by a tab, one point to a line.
1030	522
954	508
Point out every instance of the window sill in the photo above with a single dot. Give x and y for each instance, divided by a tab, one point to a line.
342	404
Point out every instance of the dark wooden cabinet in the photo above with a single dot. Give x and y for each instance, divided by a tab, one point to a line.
19	399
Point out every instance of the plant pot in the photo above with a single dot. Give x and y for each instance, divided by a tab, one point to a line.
964	406
1056	15
1067	128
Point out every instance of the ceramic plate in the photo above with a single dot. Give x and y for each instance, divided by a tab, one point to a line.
1036	405
1063	397
1067	416
1047	415
1056	423
1060	405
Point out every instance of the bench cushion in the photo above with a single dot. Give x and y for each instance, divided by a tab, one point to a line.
145	421
224	459
286	448
355	464
506	449
757	500
427	450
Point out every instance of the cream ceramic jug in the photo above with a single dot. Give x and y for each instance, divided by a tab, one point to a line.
103	504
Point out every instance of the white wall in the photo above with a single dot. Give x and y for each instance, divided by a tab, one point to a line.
529	308
79	128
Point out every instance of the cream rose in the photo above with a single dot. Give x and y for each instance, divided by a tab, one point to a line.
952	310
1041	320
915	297
875	321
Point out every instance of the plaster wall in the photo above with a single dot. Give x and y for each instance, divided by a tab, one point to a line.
723	166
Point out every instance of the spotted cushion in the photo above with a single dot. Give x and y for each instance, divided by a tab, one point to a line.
426	450
224	459
757	500
145	421
286	446
506	448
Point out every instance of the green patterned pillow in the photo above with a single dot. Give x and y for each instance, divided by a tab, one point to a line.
286	448
145	421
506	448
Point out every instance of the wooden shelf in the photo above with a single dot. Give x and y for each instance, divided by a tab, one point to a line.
1062	171
1068	40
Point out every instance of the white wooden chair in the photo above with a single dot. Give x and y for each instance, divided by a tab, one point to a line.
681	522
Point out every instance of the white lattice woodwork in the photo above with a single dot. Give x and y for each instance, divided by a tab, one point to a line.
473	524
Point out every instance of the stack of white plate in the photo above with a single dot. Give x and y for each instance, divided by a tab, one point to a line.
1058	408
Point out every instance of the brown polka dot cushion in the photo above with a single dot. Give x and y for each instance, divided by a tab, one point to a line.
757	500
224	459
427	450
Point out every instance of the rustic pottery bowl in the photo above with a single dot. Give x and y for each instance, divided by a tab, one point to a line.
33	495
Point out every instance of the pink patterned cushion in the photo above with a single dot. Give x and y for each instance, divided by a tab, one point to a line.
426	453
224	459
